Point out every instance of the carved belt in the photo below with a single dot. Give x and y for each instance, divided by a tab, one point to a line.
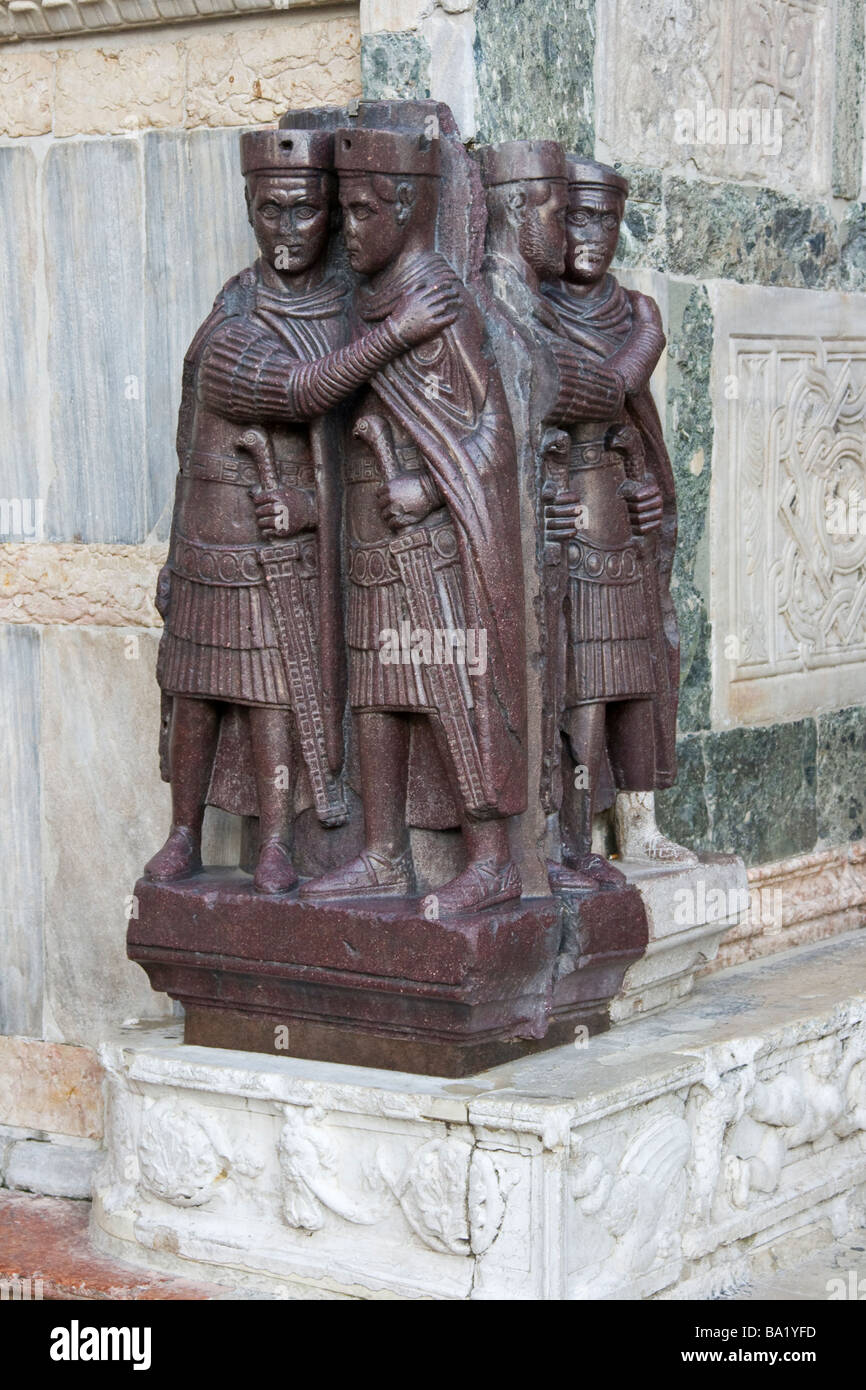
217	564
589	453
242	472
409	456
363	467
239	564
604	564
375	564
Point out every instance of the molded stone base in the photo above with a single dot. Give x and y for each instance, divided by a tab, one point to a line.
376	983
690	909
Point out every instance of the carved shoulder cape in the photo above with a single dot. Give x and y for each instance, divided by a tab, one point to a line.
464	433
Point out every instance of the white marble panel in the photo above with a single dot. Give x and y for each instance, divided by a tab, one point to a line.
789	467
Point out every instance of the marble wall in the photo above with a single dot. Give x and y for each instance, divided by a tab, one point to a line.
121	215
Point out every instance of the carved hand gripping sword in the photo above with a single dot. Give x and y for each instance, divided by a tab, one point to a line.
298	646
411	550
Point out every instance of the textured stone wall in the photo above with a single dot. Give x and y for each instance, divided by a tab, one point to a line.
121	215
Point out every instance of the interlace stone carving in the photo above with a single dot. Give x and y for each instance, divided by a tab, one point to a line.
801	496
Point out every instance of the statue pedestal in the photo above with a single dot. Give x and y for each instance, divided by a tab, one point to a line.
689	909
679	1155
374	983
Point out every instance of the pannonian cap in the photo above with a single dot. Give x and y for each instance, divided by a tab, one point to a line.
586	173
362	151
282	151
515	161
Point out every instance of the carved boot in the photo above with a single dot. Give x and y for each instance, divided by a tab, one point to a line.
275	872
638	835
369	876
586	873
483	883
180	857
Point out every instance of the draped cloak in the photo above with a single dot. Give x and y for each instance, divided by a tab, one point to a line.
307	326
463	431
600	326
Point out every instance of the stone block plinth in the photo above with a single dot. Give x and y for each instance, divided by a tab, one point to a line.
375	982
689	910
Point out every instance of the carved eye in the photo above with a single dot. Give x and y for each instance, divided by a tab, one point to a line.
579	219
609	221
269	210
305	212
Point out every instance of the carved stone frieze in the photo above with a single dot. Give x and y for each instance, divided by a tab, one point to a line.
683	81
28	19
789	533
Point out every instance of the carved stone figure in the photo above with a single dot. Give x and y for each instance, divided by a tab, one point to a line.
355	524
611	649
252	655
619	331
433	548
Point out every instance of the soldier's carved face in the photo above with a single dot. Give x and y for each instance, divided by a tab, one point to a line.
542	230
592	231
376	215
290	216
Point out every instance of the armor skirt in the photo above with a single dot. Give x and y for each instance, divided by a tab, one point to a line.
607	620
220	640
380	633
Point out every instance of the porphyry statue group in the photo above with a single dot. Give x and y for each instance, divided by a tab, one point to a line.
355	459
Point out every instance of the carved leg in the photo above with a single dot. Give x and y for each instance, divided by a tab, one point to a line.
384	868
383	746
582	747
490	875
270	732
638	835
583	731
194	733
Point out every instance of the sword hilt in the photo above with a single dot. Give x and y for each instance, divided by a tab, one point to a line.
257	444
624	439
376	432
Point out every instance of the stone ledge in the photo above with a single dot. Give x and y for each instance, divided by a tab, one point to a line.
46	1254
31	20
663	1159
690	908
209	76
798	901
50	1169
374	981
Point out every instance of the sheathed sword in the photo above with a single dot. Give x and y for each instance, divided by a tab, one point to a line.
412	552
298	648
626	441
554	453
